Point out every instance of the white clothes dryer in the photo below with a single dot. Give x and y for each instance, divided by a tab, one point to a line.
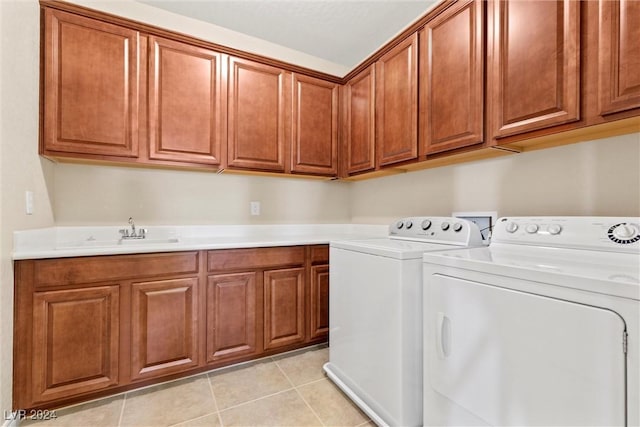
540	328
375	314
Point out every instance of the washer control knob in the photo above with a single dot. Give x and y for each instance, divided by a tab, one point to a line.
531	228
399	225
409	224
624	231
554	229
511	227
457	227
426	224
445	226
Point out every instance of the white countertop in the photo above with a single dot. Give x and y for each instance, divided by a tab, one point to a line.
60	242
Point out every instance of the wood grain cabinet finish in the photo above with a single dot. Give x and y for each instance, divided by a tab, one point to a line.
534	67
283	307
257	117
314	126
186	103
359	127
397	103
164	327
231	315
319	302
452	78
91	84
79	325
619	56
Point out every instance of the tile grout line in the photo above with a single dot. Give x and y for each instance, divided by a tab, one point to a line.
124	402
215	401
256	399
300	394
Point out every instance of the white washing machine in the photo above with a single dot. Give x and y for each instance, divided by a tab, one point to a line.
375	314
540	328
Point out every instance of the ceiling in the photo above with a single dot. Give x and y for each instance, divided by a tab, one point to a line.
344	32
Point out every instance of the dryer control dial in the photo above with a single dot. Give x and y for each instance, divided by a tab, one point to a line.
457	227
624	233
426	224
554	229
531	228
409	224
511	227
399	225
445	226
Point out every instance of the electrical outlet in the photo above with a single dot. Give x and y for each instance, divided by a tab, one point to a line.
255	208
484	220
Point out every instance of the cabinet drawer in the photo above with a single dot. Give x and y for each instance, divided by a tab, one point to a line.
84	270
319	254
231	259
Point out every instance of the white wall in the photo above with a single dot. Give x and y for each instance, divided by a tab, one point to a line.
21	168
110	195
591	178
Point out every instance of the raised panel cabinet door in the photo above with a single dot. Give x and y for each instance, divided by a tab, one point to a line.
186	115
359	132
397	103
283	307
319	306
164	327
75	341
534	67
314	126
452	78
258	96
91	86
231	315
619	55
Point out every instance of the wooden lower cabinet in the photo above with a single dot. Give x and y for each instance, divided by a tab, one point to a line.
164	327
75	341
283	307
231	315
87	327
319	302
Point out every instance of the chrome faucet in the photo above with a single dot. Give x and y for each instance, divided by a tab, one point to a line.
141	234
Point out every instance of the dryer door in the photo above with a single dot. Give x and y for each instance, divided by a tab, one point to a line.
505	357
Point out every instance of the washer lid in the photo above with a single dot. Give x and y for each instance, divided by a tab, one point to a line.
594	271
391	248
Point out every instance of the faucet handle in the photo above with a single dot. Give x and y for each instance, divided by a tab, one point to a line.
142	233
124	232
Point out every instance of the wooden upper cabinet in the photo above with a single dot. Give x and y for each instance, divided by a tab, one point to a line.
314	126
257	115
534	64
397	103
186	103
359	122
619	56
91	84
452	79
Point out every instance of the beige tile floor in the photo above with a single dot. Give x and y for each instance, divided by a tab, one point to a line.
284	390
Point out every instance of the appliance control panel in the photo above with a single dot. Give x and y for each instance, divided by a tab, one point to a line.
450	230
617	234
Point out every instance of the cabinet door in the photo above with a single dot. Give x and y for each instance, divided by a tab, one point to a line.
534	66
186	122
314	126
164	327
90	86
619	56
257	101
451	79
231	315
319	301
283	307
359	132
75	341
397	103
